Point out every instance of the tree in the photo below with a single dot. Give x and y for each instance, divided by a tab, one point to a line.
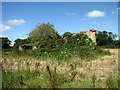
21	42
5	42
100	39
43	34
105	38
67	34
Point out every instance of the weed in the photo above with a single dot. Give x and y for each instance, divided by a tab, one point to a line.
74	73
93	81
111	82
21	82
53	81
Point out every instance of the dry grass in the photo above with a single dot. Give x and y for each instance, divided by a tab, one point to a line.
102	67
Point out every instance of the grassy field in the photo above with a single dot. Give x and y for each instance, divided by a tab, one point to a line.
23	71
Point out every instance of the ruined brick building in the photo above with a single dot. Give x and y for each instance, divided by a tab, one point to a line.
91	34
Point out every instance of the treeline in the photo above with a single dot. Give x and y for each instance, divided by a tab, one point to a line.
45	34
51	44
107	39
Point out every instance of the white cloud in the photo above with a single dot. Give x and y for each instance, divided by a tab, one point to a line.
95	13
118	8
71	14
2	35
98	23
16	21
115	13
84	19
4	27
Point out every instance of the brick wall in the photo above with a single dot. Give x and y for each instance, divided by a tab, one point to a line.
91	34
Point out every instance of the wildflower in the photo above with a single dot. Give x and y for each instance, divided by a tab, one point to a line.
75	55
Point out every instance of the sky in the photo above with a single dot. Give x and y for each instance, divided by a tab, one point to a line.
20	18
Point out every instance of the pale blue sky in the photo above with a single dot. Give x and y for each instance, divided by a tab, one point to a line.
20	18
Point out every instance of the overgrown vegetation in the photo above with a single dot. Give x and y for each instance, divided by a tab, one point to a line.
66	53
51	45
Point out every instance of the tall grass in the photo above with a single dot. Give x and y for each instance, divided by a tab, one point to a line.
22	70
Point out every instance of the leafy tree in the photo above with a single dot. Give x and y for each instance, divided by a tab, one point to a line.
21	42
104	38
43	34
117	42
5	42
67	34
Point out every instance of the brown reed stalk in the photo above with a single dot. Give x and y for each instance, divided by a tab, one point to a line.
73	77
52	83
93	79
2	67
55	78
21	82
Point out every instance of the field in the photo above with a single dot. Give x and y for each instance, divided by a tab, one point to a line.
23	71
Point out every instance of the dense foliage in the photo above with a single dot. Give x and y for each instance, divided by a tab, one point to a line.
42	34
67	34
21	42
5	42
107	39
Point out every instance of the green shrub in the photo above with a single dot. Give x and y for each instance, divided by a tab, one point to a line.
112	82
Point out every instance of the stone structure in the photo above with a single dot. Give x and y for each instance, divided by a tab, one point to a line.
65	40
21	48
34	48
91	34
